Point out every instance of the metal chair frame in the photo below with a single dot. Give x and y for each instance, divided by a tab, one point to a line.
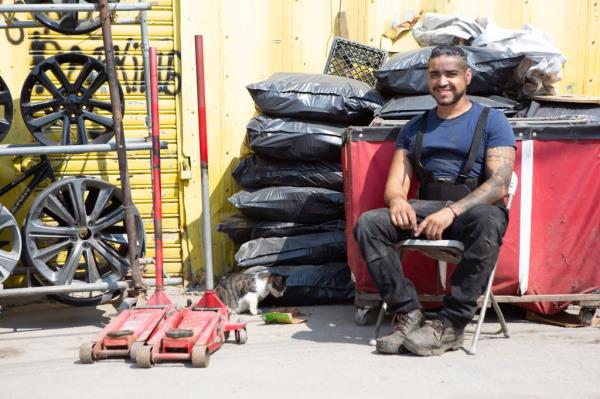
450	251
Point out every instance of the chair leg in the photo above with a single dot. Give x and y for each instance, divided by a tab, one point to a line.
503	326
380	317
486	297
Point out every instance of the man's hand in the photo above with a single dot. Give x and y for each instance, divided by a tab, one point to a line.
434	225
402	214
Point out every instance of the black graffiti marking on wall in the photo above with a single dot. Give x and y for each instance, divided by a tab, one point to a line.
132	81
12	38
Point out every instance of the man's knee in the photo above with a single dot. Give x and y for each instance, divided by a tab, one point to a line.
487	219
369	221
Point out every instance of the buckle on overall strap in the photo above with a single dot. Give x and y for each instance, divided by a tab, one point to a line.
461	179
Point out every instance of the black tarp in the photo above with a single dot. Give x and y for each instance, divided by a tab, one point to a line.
316	97
259	171
556	110
407	107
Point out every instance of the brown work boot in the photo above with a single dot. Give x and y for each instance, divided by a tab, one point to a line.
402	325
434	339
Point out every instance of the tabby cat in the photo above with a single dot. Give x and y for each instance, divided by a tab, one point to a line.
243	291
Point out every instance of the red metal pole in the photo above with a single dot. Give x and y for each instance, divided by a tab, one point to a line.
201	99
156	183
204	162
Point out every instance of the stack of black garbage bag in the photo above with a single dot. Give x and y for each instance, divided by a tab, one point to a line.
403	79
292	201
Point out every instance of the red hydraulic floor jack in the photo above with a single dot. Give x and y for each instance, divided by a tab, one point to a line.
129	331
158	331
192	333
195	332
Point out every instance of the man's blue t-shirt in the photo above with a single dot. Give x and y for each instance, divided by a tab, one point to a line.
446	142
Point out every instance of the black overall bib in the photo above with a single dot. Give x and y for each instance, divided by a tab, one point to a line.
432	188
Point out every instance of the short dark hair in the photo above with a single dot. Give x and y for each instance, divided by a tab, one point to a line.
449	51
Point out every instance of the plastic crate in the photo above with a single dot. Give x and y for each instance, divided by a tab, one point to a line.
354	60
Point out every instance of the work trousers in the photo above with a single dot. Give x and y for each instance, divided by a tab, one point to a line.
480	229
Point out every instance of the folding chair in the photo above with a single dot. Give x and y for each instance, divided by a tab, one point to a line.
450	251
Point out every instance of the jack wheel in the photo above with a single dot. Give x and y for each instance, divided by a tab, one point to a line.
143	357
241	336
200	356
86	355
135	348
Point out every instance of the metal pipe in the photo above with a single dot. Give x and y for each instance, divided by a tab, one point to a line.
35	24
146	58
515	122
204	162
526	298
156	181
169	281
62	289
121	147
35	149
73	7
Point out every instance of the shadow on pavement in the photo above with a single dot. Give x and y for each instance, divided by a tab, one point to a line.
334	324
44	316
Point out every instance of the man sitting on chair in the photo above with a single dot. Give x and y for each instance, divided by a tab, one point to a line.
463	155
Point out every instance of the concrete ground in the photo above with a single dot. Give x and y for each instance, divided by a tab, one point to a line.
326	357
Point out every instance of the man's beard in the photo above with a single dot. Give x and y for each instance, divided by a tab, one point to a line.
456	96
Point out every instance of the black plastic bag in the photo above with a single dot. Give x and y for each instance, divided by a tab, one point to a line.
290	139
406	73
241	229
256	171
408	107
316	97
307	248
313	285
290	204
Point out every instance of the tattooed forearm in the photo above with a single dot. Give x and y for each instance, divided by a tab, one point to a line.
499	154
499	163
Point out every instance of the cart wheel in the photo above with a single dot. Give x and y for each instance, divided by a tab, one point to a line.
86	355
143	357
586	315
135	348
241	336
200	356
361	317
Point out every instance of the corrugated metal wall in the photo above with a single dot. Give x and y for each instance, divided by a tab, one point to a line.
246	41
36	44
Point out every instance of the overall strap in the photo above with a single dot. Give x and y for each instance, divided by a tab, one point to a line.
422	173
474	150
395	132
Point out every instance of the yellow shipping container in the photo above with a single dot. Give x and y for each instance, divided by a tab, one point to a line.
245	42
